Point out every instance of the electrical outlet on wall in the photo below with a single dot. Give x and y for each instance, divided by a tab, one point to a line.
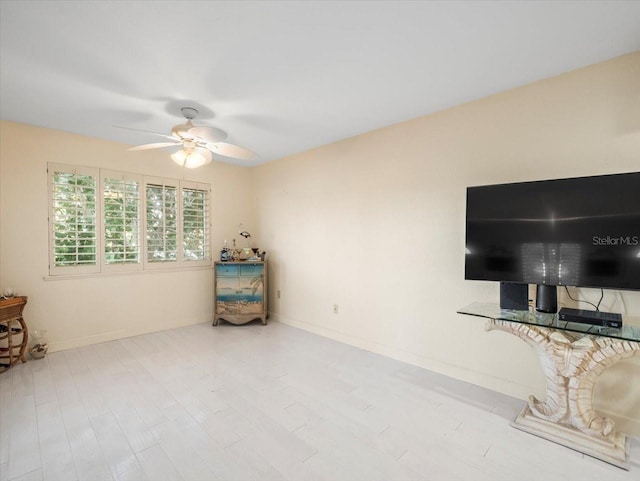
335	308
278	293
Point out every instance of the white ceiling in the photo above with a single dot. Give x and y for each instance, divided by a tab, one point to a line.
284	77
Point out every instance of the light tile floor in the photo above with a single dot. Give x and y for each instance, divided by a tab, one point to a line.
263	403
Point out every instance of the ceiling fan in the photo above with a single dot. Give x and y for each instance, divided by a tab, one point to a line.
198	143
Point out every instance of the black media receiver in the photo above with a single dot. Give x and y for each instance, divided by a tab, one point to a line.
597	318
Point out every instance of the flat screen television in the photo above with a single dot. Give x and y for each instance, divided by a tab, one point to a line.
582	231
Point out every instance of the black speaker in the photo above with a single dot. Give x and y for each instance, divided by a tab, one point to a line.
514	296
547	298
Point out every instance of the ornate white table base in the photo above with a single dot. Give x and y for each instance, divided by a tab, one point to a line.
571	363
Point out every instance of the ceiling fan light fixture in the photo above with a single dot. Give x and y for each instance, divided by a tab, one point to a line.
179	157
192	159
198	158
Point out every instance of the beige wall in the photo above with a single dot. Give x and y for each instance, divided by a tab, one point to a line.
98	308
375	224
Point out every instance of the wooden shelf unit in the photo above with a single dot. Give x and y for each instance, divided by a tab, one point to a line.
13	332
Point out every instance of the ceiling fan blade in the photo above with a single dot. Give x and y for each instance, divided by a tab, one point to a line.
146	132
208	134
157	145
230	150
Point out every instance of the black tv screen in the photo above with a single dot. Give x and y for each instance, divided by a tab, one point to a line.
568	232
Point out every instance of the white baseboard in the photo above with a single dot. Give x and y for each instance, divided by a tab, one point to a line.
624	423
110	336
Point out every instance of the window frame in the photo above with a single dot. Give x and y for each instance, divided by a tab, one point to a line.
101	265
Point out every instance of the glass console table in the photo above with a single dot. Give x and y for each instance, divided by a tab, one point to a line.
572	356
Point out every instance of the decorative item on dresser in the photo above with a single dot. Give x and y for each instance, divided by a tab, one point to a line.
13	332
240	291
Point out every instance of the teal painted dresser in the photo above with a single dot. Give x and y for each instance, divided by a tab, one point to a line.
240	292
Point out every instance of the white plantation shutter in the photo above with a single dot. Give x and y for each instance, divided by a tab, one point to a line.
105	221
121	207
195	223
161	209
73	219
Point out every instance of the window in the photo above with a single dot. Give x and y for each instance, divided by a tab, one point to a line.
177	223
162	221
97	219
74	243
121	201
195	223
